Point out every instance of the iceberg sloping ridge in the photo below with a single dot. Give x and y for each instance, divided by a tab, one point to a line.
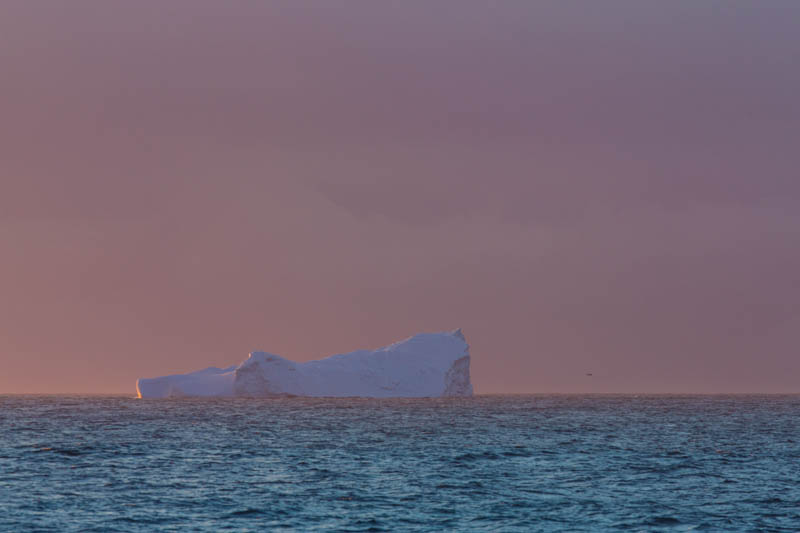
425	365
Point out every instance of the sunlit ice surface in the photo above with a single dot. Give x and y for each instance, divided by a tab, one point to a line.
487	463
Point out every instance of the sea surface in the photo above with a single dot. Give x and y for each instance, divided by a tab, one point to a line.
489	463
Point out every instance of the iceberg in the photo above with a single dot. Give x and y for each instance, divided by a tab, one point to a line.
425	365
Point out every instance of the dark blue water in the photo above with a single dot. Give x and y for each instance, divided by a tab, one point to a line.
496	463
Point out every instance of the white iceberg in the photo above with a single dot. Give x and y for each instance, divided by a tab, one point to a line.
425	365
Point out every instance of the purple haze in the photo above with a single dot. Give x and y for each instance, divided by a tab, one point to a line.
609	188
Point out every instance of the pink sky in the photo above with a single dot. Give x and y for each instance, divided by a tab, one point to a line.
608	187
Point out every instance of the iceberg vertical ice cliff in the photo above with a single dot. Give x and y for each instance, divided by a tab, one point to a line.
425	365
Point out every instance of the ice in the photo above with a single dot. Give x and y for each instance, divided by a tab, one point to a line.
425	365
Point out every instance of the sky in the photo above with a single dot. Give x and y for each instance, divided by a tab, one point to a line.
584	187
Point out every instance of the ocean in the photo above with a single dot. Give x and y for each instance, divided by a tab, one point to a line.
488	463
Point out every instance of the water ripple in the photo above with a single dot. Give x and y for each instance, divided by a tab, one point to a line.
493	463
